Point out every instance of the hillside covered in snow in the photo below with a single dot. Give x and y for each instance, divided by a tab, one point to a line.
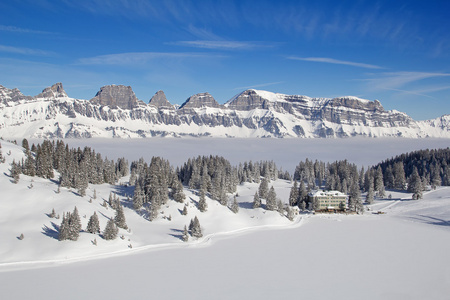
115	111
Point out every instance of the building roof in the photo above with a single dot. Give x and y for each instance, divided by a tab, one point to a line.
322	193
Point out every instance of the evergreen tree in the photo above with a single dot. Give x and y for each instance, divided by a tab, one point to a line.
280	207
74	225
138	197
185	236
234	206
177	193
93	225
271	201
369	196
63	233
302	193
15	172
120	217
256	200
111	230
195	228
415	184
379	182
290	213
223	198
152	211
202	205
354	201
303	206
95	194
399	176
184	212
294	195
263	188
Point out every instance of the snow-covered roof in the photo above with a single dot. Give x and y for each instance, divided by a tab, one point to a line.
322	193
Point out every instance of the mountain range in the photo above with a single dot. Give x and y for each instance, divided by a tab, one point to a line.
115	111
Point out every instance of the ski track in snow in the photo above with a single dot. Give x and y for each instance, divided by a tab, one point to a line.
202	242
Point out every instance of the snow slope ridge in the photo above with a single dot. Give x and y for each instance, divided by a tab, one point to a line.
116	112
25	209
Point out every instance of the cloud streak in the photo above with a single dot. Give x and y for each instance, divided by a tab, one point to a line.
25	51
22	30
258	85
335	61
223	45
138	58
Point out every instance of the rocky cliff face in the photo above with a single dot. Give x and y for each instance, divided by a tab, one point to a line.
159	100
55	91
116	96
116	112
199	101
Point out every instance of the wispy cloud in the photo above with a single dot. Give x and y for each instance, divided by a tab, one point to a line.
22	30
395	80
335	61
224	45
25	51
258	85
138	58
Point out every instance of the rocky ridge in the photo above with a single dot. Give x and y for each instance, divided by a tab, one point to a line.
116	112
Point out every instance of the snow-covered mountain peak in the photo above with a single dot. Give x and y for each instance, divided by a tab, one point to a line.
53	92
200	100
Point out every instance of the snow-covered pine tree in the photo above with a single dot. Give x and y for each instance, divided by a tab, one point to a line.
256	200
379	182
152	211
196	230
263	188
15	172
177	192
271	201
415	184
63	233
120	217
223	199
74	225
290	213
185	236
369	196
138	197
294	194
302	206
280	207
111	230
302	192
93	225
184	211
234	206
202	205
95	194
354	201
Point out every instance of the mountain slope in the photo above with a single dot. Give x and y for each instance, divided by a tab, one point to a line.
116	112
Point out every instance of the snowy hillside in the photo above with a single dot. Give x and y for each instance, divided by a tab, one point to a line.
116	112
254	254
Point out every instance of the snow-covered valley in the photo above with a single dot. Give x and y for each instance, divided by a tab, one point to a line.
254	254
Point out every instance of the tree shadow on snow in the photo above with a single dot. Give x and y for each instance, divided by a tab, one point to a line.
51	232
124	192
246	205
178	236
431	220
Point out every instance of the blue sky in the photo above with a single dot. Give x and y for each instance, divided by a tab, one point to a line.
395	51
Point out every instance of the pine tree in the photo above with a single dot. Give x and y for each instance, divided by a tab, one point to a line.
184	212
185	236
303	206
95	194
196	230
223	199
15	172
93	225
111	230
379	182
234	206
74	225
63	233
369	196
271	201
415	184
263	188
280	207
256	200
202	205
138	197
290	213
294	195
120	217
178	194
302	192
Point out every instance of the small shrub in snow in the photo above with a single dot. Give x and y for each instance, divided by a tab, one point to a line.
21	236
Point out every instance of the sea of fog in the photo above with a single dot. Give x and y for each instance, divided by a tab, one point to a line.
286	153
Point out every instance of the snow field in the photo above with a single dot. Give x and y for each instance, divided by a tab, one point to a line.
402	254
